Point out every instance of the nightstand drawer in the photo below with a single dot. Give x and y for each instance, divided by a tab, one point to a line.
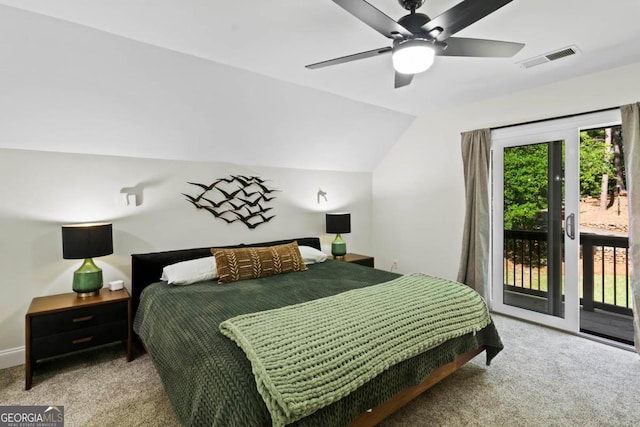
54	345
71	320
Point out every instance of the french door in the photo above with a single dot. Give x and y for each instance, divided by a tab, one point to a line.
535	233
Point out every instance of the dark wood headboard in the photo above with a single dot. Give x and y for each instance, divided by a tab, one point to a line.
147	268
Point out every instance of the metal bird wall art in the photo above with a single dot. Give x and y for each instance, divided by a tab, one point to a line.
235	198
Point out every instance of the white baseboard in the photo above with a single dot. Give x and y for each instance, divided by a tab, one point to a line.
11	357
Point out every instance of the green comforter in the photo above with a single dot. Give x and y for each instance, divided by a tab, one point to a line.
208	377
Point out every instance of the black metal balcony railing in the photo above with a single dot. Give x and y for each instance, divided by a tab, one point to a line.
605	285
613	254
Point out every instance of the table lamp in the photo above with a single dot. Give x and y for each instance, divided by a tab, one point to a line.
338	223
86	241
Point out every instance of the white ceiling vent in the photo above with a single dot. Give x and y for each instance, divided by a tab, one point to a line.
548	57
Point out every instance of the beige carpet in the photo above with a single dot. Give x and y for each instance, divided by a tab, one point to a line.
542	378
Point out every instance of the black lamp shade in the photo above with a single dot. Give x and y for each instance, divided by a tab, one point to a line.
86	241
338	222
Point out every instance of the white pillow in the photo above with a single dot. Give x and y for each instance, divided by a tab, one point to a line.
312	255
192	271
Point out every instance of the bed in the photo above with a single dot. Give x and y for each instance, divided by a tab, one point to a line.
209	379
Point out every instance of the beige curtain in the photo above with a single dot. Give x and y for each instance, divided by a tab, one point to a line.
474	260
631	138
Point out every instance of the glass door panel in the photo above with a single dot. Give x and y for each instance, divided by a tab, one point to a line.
605	291
533	270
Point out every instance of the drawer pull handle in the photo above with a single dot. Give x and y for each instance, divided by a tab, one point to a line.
81	340
82	319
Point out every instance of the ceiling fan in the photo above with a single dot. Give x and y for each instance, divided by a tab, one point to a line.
418	38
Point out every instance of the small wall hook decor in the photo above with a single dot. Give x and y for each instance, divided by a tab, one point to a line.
132	195
322	194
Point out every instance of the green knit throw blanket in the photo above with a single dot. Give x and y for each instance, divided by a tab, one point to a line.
307	356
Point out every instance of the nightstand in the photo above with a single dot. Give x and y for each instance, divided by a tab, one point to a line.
60	324
358	259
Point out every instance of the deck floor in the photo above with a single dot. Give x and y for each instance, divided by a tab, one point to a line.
601	323
609	325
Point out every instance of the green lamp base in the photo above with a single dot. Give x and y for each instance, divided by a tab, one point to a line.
87	280
338	247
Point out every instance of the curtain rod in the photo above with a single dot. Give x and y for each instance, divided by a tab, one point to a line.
555	118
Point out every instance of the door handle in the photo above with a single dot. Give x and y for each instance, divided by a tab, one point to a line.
570	226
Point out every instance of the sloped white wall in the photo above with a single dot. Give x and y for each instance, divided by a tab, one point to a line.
418	189
69	88
41	191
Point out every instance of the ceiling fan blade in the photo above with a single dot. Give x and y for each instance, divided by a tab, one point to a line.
373	18
459	46
402	79
349	58
462	15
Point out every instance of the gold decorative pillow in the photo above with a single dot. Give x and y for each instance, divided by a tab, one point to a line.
252	263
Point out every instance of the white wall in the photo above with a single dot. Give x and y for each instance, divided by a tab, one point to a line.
41	191
418	189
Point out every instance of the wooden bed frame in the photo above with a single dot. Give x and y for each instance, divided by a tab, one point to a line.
147	269
379	413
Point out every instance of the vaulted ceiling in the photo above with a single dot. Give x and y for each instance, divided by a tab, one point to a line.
275	39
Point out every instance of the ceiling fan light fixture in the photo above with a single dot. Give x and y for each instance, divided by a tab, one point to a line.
413	56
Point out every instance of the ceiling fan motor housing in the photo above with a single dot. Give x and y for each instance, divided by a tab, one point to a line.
414	22
411	4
